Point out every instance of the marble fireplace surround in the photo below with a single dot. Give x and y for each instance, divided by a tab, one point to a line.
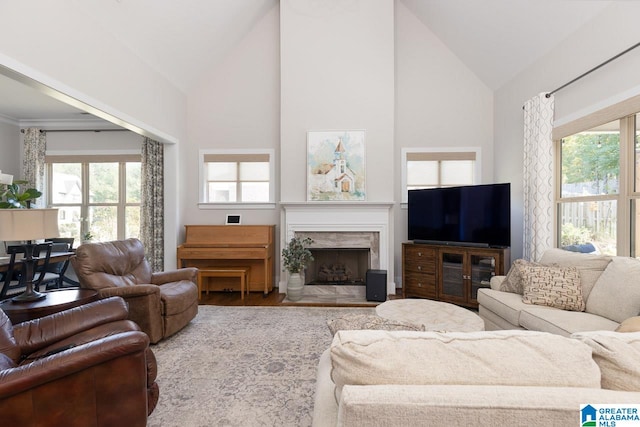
342	225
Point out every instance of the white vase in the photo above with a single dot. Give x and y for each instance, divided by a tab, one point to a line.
294	287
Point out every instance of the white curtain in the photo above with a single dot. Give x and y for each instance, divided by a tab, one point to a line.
538	176
33	156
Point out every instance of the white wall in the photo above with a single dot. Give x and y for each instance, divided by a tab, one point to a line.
615	30
68	51
10	148
439	103
88	142
235	106
337	72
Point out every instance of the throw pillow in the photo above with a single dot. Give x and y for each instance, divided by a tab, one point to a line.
351	321
631	324
557	287
616	294
617	357
513	281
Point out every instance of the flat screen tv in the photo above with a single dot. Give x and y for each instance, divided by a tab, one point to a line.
474	215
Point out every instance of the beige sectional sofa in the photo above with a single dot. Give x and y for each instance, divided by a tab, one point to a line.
610	289
498	378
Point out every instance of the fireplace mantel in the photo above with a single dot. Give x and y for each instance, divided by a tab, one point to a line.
339	217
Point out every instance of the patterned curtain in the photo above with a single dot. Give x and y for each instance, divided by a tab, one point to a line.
538	176
152	211
33	154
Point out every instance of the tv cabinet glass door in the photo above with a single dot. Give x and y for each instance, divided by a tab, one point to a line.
483	267
453	279
463	272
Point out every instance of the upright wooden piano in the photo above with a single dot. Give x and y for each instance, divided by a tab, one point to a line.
232	246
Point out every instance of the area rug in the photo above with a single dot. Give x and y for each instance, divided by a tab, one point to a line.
243	366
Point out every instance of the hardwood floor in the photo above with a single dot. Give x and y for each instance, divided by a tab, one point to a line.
272	299
233	298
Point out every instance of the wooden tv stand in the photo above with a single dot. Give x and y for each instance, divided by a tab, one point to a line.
450	273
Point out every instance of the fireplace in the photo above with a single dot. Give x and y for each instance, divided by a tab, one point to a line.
346	236
338	267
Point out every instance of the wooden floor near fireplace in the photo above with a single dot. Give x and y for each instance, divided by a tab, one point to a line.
273	299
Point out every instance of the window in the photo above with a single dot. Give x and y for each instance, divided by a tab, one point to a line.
590	189
432	168
96	194
598	182
236	177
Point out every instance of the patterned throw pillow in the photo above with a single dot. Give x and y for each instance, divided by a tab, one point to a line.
557	287
513	281
351	321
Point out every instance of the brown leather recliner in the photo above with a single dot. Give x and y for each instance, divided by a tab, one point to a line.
86	366
160	303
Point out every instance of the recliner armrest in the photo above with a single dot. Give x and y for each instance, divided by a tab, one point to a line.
130	291
39	333
187	273
70	361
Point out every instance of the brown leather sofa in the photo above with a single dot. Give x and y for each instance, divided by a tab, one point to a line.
86	366
160	303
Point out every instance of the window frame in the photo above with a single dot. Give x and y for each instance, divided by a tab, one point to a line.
202	178
444	151
84	159
625	112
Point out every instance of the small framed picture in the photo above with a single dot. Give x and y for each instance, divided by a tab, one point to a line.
233	219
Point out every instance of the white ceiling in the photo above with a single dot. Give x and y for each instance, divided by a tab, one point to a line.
183	40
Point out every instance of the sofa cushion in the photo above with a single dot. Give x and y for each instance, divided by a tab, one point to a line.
589	266
469	405
505	304
616	294
617	355
631	324
557	287
514	281
480	358
563	322
351	321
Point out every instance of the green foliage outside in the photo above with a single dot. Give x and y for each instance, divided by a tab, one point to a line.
572	235
104	193
589	157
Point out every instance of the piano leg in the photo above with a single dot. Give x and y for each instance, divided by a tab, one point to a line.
266	279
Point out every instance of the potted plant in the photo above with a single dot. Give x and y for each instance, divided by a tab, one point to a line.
295	258
13	197
87	237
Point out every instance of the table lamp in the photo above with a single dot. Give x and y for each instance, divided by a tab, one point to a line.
28	225
6	179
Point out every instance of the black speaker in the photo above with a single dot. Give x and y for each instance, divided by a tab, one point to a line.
377	285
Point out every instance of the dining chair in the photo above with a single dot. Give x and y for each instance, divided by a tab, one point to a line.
15	279
54	277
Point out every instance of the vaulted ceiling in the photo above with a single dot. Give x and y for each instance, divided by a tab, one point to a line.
184	40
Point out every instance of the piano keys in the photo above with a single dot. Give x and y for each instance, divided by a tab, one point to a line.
211	246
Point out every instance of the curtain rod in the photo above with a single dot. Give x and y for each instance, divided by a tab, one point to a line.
593	69
81	130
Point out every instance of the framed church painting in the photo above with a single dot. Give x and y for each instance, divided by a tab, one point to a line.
335	165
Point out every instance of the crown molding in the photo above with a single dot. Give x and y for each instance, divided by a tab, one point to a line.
9	120
72	124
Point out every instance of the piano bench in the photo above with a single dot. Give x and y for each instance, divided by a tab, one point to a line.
240	272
